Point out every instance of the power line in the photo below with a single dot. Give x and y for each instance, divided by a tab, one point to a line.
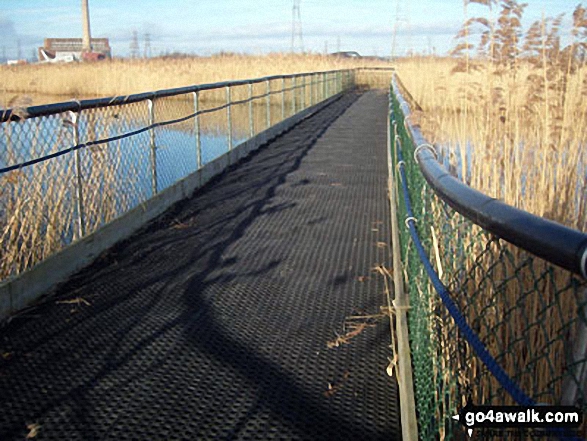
395	26
297	37
147	46
134	45
402	17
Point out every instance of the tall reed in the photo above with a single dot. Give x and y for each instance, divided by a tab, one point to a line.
124	76
508	114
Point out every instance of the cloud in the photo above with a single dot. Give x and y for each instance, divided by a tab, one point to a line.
277	31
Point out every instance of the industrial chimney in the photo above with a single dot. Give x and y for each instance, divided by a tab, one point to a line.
86	40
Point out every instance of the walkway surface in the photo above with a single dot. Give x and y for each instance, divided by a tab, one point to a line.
214	321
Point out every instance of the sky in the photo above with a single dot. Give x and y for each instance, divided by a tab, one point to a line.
204	27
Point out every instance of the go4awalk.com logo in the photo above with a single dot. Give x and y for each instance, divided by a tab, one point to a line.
549	418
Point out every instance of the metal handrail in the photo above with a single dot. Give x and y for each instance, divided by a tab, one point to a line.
76	106
79	106
549	240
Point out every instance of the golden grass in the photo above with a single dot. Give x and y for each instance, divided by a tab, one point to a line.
519	136
124	77
526	149
41	213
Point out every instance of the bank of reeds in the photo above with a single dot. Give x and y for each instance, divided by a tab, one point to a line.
508	115
506	141
124	77
46	206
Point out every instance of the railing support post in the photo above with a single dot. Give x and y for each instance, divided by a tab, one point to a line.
81	222
293	96
303	103
324	76
151	106
575	383
268	102
197	131
282	99
251	119
400	304
312	87
229	117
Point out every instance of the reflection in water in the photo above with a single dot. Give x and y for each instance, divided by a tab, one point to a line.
49	204
463	162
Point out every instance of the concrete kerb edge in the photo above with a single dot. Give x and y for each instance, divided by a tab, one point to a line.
21	291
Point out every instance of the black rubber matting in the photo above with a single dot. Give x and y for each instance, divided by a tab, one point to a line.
213	321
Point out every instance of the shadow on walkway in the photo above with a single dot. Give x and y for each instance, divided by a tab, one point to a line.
206	324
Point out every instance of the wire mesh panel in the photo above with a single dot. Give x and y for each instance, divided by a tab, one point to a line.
115	176
64	174
530	315
36	214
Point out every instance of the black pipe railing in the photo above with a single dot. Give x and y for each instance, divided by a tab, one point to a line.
76	106
549	240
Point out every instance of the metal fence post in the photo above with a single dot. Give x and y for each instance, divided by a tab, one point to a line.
575	383
312	102
330	85
324	86
293	98
151	105
268	102
229	117
303	103
282	98
81	222
251	120
197	130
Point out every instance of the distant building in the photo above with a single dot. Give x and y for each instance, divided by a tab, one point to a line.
14	62
71	49
346	54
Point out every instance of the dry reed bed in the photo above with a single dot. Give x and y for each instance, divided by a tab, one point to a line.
38	209
525	151
125	77
510	123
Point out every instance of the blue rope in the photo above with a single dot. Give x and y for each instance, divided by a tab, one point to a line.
492	365
508	384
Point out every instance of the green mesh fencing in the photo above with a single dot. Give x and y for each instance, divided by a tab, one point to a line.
531	315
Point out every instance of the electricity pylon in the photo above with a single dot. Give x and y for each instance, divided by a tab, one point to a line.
297	37
147	46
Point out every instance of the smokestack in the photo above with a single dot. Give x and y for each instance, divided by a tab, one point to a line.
86	40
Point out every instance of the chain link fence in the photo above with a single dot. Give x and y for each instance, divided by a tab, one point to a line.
530	315
66	169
